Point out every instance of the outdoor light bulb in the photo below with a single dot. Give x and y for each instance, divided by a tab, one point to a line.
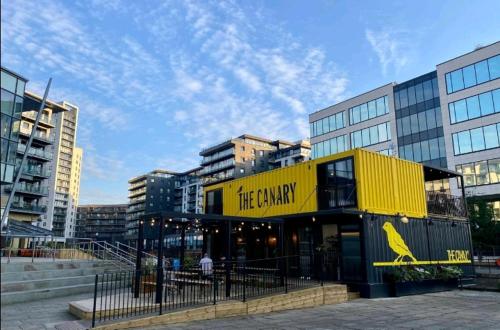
269	227
404	219
166	225
242	223
170	220
177	226
216	231
263	225
239	228
314	219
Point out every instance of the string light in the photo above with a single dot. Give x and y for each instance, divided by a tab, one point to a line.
170	219
239	228
217	231
314	219
166	225
269	227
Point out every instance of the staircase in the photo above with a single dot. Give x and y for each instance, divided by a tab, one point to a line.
73	273
23	281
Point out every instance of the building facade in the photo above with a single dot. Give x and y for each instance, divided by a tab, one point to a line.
12	98
469	87
101	222
235	158
151	192
447	118
287	155
189	192
65	176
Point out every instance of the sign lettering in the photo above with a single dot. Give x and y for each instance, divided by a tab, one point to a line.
266	197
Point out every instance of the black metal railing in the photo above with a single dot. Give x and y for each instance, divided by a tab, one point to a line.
337	196
126	294
446	205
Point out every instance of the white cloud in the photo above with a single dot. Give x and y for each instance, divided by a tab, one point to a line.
389	49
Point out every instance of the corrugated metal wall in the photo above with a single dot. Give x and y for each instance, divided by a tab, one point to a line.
388	185
427	242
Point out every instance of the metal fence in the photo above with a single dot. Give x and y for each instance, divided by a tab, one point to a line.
487	259
443	204
154	290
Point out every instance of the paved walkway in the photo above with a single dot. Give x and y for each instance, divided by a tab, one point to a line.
446	310
42	314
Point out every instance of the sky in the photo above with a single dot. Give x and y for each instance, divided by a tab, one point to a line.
156	81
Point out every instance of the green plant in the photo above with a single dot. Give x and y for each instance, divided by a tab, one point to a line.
189	262
412	273
149	265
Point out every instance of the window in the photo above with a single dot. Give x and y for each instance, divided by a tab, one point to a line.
261	153
253	162
336	181
242	148
371	135
476	139
329	147
475	106
8	82
369	110
242	159
328	124
7	101
473	74
242	170
480	173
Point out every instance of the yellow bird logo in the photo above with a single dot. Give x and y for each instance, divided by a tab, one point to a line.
396	243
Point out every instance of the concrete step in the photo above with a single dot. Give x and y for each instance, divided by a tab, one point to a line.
48	274
353	295
48	283
38	294
57	265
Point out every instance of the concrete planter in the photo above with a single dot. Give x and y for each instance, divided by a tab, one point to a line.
401	289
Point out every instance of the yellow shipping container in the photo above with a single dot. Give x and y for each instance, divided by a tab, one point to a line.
384	185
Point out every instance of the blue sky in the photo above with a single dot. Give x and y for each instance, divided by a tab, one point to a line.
158	80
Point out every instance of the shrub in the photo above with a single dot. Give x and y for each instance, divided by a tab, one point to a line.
410	273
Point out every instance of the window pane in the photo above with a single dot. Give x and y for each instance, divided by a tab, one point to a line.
439	118
435	87
477	139
357	139
464	142
20	87
382	133
396	101
401	152
486	101
428	95
311	129
326	125
431	119
403	98
422	122
374	134
434	149
365	134
320	127
399	127
496	99
460	110
333	125
494	170
469	76
326	147
339	120
381	106
457	80
482	73
357	114
408	152
372	109
451	108
456	144
417	153
481	170
490	136
7	102
414	123
364	111
425	150
494	66
333	146
411	96
449	88
473	110
321	150
5	126
419	92
8	82
442	149
469	175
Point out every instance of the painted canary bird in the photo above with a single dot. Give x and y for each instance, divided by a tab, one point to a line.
396	243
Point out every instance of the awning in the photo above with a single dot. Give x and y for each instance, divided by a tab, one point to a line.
432	173
22	229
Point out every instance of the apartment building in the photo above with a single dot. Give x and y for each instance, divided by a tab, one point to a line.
12	97
150	192
447	118
32	194
237	157
189	192
286	155
65	177
101	222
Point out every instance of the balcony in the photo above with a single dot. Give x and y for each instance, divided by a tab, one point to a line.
445	205
137	192
34	153
28	208
30	189
39	135
217	156
217	167
44	119
36	171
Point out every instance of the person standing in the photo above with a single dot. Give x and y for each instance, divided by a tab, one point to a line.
206	265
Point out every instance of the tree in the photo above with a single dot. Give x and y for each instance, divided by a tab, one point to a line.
484	228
